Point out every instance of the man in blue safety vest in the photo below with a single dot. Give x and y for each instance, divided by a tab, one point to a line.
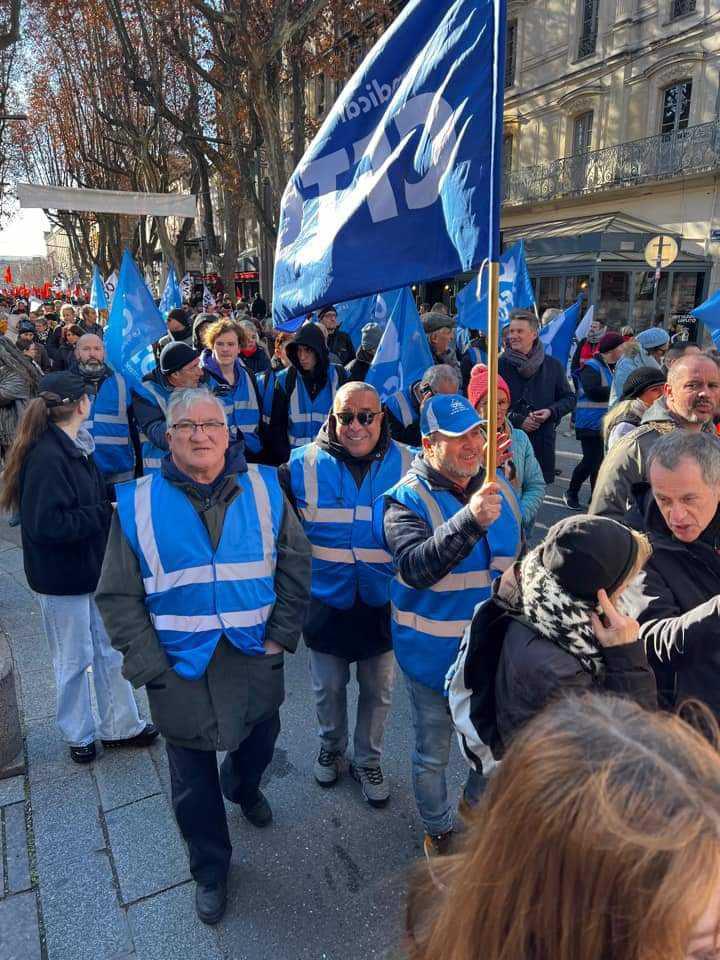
450	533
108	422
334	483
205	583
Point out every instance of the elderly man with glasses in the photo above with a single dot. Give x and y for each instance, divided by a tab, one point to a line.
204	586
334	482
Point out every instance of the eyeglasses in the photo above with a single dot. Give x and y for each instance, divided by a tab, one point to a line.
187	428
364	418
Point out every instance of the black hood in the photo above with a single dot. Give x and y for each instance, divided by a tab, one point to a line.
310	335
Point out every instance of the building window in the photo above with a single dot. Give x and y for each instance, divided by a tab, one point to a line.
510	53
588	28
676	107
679	8
507	155
582	133
355	54
320	94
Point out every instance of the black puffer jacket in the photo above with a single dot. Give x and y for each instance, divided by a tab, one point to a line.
65	514
677	602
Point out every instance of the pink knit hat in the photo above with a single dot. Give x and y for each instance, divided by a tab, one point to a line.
478	386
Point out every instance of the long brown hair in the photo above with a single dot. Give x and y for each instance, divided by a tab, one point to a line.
598	837
33	423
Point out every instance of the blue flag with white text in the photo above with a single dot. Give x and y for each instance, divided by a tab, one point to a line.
172	296
402	181
134	323
708	313
403	354
557	336
353	315
98	297
515	290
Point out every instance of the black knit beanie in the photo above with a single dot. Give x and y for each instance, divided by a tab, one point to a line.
586	554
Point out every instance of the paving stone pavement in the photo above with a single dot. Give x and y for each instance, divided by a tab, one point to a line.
92	866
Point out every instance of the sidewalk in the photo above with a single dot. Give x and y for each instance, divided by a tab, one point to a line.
93	867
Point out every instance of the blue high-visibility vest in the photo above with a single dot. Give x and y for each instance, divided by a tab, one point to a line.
241	408
348	561
589	413
266	386
427	625
159	395
306	416
194	593
401	406
108	424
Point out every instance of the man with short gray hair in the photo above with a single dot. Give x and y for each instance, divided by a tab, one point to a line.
205	584
677	597
403	408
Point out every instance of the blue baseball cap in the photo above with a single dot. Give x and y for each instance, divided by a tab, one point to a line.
448	413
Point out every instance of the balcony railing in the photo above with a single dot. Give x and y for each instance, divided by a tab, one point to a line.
686	152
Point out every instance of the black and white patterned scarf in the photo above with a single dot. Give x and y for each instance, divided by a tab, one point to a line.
561	619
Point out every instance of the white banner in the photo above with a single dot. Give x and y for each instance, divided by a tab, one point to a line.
106	201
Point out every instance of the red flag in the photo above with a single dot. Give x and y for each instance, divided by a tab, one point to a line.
8	275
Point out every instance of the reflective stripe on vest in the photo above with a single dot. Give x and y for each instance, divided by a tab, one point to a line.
242	410
398	403
108	425
152	456
338	520
194	593
589	413
306	416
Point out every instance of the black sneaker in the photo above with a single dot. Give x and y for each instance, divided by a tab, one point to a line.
84	754
211	900
257	811
571	500
143	739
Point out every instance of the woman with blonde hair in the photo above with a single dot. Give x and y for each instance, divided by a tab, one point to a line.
597	839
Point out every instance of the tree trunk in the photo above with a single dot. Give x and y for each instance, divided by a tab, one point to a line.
232	204
299	106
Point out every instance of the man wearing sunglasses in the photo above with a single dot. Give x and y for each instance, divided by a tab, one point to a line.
334	483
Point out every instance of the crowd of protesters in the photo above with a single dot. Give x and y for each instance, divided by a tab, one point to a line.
183	532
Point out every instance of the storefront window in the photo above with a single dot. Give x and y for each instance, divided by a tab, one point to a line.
613	302
686	293
550	293
574	286
644	283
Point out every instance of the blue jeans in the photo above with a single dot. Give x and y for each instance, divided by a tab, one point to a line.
433	732
78	640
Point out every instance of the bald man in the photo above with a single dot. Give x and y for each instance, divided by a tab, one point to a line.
690	401
108	421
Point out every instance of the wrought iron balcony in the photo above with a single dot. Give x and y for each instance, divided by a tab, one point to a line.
694	150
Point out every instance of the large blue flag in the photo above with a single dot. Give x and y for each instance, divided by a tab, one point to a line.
98	297
354	314
403	354
172	295
557	336
708	313
515	290
134	323
402	181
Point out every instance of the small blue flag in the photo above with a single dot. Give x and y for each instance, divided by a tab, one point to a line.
403	354
98	297
134	324
172	295
402	181
353	315
516	290
708	313
557	336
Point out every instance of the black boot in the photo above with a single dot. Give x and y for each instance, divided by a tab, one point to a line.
211	900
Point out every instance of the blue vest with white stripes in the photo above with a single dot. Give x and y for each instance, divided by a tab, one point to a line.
108	424
159	395
242	409
589	413
266	386
427	625
337	517
306	416
194	593
401	406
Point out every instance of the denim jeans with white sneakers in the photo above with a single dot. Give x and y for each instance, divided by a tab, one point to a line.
330	676
433	734
78	640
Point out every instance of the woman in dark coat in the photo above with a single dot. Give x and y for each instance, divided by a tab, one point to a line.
554	625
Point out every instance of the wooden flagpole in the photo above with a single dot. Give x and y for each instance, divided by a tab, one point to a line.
493	328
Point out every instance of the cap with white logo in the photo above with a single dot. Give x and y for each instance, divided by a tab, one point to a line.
450	414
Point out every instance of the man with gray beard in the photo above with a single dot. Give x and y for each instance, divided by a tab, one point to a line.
108	421
692	395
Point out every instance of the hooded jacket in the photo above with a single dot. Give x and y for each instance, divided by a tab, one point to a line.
149	416
634	356
217	711
622	483
309	335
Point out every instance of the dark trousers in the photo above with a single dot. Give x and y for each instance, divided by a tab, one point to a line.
197	795
593	451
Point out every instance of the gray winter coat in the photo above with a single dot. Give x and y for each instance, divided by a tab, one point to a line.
218	710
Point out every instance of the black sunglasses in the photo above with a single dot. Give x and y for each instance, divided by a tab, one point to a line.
364	418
